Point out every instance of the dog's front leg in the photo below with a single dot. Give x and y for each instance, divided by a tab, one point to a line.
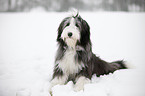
80	82
57	80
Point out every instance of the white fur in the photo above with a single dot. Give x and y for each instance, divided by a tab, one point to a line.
73	12
71	41
58	80
68	64
80	83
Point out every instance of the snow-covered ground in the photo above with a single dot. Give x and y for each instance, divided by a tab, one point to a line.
28	45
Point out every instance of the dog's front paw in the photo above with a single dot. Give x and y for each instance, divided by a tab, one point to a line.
78	87
81	81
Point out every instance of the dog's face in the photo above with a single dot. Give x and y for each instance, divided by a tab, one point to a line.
73	31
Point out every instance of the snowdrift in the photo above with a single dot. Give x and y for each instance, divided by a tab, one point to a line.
28	46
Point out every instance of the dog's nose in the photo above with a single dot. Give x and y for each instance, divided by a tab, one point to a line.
70	34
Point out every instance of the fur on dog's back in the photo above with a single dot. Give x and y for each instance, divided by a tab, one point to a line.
95	65
102	67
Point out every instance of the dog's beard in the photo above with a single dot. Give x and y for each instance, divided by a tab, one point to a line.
70	42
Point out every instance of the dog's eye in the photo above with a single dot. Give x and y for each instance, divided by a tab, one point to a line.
77	25
68	24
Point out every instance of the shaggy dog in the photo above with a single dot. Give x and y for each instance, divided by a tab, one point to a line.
74	59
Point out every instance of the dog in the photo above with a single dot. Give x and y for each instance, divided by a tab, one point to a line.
75	60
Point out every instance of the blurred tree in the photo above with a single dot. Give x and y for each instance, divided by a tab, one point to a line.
64	5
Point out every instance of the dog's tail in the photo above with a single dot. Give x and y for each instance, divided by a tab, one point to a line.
120	64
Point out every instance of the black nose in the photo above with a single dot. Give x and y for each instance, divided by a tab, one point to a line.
70	34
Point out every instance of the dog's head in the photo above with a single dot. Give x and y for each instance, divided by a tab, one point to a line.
73	31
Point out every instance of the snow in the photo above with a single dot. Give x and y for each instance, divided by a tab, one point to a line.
28	46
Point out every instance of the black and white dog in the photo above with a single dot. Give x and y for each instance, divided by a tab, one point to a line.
74	59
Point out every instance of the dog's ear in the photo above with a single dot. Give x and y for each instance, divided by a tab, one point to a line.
60	28
85	33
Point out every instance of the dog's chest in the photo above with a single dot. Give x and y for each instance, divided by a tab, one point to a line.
68	64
